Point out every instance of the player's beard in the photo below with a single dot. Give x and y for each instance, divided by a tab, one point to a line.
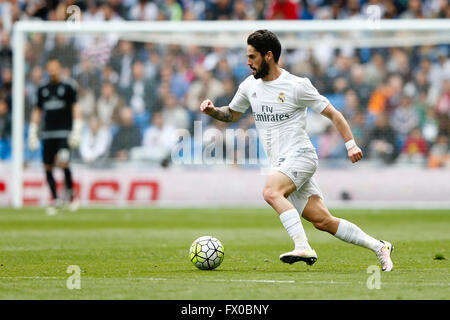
262	71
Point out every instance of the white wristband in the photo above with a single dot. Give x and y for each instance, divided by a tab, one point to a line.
350	144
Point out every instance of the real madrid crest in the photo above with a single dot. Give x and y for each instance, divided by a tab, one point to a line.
281	97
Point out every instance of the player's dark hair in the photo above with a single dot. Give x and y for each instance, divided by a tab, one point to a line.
264	41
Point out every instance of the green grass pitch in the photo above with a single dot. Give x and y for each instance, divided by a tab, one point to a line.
144	254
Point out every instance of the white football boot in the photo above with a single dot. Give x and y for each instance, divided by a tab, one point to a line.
384	256
54	208
307	255
74	205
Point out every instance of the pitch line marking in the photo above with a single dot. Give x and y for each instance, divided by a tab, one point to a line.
426	284
248	280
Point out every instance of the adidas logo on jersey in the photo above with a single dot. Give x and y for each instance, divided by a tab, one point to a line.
254	95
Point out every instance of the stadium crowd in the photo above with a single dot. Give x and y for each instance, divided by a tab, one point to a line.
134	95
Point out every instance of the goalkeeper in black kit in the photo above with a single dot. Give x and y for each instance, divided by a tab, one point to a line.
61	130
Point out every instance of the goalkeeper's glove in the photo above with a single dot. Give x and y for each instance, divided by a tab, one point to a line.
74	139
33	139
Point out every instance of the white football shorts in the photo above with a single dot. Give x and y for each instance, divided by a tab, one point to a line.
300	168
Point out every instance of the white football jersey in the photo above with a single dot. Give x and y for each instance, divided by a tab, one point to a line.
279	108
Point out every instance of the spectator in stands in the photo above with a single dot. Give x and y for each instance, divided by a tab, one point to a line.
109	75
339	69
391	11
86	74
430	126
122	62
6	86
359	127
443	103
172	10
127	136
443	10
415	149
152	64
258	10
111	12
222	70
213	57
31	86
382	141
174	114
282	10
96	142
395	93
86	100
108	105
5	130
93	12
158	141
240	10
440	70
5	51
35	49
220	10
419	103
353	10
378	100
337	98
420	83
119	7
330	144
177	83
375	70
5	120
399	63
439	153
87	79
351	105
63	49
414	10
405	117
359	84
204	86
144	10
229	89
140	95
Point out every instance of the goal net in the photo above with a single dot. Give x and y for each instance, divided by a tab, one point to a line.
140	85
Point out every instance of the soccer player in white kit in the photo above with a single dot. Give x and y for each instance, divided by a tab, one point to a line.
279	100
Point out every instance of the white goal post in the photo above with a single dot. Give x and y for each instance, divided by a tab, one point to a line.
360	33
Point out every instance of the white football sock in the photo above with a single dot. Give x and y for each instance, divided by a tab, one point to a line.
291	222
351	233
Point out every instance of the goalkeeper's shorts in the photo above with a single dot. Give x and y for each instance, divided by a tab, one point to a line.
55	148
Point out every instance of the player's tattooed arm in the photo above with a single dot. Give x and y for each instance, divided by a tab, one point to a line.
225	114
222	114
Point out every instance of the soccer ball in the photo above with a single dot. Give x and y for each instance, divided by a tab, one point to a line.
206	253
